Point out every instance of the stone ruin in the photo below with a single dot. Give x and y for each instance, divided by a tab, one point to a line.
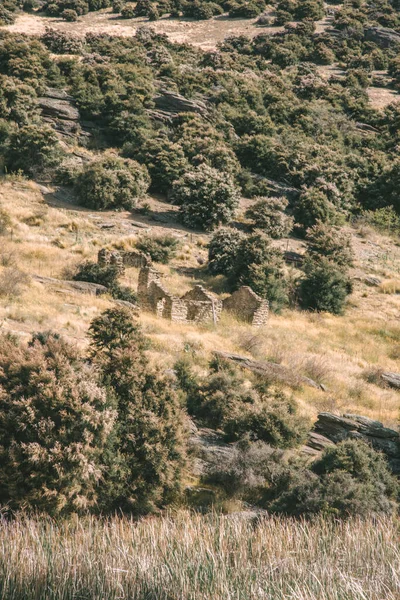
123	259
248	306
198	305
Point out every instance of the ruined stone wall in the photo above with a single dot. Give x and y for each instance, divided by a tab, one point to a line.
248	306
123	259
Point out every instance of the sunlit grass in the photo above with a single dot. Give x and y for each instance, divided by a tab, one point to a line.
191	557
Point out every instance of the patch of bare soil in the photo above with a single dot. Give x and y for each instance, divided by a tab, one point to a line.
204	34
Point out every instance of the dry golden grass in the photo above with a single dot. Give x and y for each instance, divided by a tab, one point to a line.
191	557
334	350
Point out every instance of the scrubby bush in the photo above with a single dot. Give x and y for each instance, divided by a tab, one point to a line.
160	248
32	149
111	182
54	425
349	479
69	15
331	242
269	215
128	11
206	196
146	463
106	275
325	286
60	42
223	250
312	206
260	266
165	161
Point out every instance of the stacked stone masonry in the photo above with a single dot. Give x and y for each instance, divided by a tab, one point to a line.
198	305
123	259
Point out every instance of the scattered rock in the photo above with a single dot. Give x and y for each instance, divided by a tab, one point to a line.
338	428
372	281
392	379
172	102
81	287
269	370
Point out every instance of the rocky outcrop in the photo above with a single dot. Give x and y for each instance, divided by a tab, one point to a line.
59	111
392	379
336	429
269	370
80	287
383	36
172	103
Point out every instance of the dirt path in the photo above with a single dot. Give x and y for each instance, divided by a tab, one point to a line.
204	34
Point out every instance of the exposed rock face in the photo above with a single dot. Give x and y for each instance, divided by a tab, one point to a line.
269	370
383	36
59	110
392	379
173	103
81	287
336	429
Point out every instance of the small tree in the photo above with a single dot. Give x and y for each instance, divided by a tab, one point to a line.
32	149
147	460
206	196
312	206
54	426
260	266
223	250
325	286
269	215
331	242
112	182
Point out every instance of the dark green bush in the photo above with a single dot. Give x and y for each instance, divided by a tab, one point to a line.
33	149
223	250
147	458
269	215
54	426
331	242
105	275
206	196
160	248
350	479
325	286
112	182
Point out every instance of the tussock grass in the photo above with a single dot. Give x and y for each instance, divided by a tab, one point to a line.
193	557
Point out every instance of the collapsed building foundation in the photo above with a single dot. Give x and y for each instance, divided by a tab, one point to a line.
196	306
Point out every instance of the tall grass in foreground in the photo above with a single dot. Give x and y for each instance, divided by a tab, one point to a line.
187	556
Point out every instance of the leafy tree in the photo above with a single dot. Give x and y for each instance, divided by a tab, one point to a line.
312	206
331	242
147	459
32	149
54	426
165	161
111	182
207	197
325	286
223	250
260	266
269	215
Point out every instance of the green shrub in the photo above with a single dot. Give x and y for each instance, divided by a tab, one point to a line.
111	182
160	248
223	250
331	242
260	266
69	15
349	479
312	206
269	215
273	420
128	11
33	150
146	463
165	161
54	425
206	196
325	286
105	275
